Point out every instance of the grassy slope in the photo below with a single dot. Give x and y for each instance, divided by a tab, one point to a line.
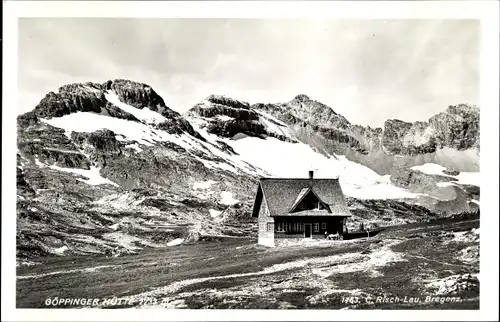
426	257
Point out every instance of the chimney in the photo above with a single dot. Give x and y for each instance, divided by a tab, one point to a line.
311	175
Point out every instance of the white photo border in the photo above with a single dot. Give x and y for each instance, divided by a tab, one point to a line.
486	11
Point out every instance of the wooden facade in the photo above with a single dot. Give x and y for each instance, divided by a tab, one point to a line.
307	227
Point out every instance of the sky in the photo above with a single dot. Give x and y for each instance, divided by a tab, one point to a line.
367	70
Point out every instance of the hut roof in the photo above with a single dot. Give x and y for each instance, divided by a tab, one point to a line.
303	194
282	194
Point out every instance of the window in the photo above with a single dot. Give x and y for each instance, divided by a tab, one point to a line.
270	226
280	227
323	225
262	226
316	227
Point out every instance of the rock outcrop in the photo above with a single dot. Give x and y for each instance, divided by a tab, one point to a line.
227	117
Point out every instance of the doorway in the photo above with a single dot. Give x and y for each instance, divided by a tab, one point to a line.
308	230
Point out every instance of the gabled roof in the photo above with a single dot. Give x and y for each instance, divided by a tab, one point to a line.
312	213
302	194
282	194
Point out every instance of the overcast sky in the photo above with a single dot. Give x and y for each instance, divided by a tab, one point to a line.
367	70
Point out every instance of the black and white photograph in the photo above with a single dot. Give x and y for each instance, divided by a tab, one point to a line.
261	163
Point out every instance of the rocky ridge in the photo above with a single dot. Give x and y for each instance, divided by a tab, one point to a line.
446	138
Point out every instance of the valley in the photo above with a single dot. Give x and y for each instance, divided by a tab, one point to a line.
234	273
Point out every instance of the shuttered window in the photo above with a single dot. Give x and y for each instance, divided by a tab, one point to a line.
270	226
316	227
323	225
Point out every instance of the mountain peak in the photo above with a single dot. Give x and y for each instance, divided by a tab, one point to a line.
228	101
462	109
302	98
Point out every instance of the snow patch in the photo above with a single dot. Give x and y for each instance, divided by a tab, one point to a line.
274	125
445	184
430	168
134	146
40	164
205	195
124	240
114	226
175	242
464	236
121	201
224	118
214	213
227	198
470	254
26	263
453	284
203	185
379	258
70	271
470	178
60	250
145	114
93	176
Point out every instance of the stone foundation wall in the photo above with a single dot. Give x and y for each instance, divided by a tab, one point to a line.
266	241
283	242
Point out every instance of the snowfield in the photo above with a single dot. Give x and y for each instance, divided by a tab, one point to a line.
472	178
129	130
294	160
146	135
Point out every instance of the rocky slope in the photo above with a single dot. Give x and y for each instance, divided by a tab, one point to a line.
84	188
110	168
